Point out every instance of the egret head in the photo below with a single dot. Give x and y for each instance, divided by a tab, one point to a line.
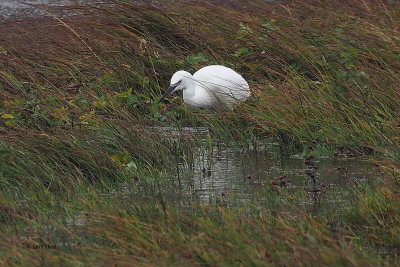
179	81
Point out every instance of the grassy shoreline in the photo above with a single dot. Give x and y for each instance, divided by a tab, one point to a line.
84	171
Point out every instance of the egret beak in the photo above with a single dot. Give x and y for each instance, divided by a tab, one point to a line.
170	89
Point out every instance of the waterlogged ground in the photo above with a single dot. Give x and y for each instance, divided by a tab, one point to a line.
240	173
85	179
34	8
219	171
19	9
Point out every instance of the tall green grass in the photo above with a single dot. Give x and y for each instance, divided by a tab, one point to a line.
88	175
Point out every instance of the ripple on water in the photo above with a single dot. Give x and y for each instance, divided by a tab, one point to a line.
225	169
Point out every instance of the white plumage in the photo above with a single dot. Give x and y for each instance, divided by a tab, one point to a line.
210	87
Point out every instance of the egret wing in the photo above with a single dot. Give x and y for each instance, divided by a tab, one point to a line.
224	83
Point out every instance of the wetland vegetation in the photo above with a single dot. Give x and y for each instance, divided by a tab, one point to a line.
93	170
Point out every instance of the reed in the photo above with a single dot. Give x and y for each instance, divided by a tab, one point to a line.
87	171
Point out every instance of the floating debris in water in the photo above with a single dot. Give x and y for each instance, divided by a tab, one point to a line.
281	181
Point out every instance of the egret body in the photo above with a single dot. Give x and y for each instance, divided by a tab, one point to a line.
210	87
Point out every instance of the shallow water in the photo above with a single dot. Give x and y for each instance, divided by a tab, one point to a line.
233	171
226	170
21	9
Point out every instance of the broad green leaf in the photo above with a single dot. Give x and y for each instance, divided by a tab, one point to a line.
196	59
7	116
241	51
131	165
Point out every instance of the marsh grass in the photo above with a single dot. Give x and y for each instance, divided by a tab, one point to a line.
86	172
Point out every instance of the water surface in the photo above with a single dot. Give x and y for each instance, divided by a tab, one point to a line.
20	10
223	170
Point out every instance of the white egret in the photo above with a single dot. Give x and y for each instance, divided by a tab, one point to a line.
210	87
